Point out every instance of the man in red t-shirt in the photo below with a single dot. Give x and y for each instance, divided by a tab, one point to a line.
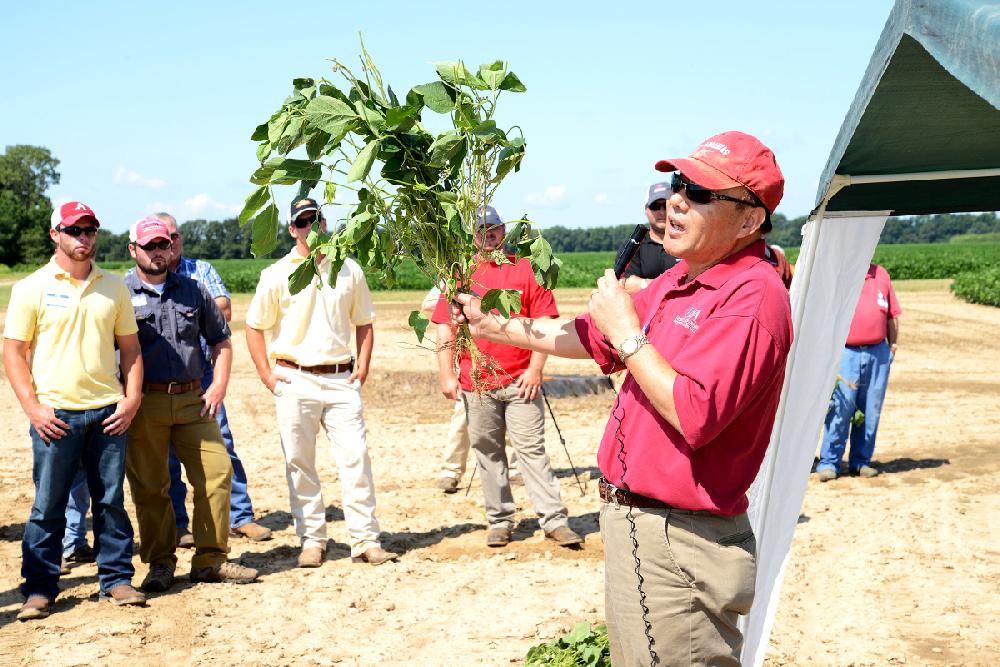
509	401
864	376
705	347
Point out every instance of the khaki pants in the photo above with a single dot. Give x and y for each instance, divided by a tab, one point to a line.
456	448
161	420
698	574
303	405
500	412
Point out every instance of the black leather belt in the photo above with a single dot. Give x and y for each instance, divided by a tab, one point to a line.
612	494
321	369
172	387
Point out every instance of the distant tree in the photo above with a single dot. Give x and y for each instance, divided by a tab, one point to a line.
26	173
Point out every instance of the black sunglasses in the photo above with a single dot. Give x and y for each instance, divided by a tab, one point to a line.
156	245
303	221
702	195
658	205
75	231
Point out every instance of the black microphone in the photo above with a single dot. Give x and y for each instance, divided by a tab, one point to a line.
629	248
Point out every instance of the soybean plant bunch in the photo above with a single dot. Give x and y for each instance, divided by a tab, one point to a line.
417	193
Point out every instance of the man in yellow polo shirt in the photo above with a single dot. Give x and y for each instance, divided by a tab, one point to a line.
315	381
63	322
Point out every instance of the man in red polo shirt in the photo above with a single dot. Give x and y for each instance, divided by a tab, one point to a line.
509	400
705	348
863	378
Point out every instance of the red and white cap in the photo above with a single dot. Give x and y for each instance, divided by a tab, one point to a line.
729	160
148	229
68	213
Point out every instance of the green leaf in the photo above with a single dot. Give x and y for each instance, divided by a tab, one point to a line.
263	151
253	204
305	187
372	117
264	232
276	127
330	114
292	136
489	131
259	133
541	254
330	192
436	96
493	73
397	118
363	162
490	300
512	83
452	71
419	322
301	276
511	299
300	83
286	171
446	148
315	144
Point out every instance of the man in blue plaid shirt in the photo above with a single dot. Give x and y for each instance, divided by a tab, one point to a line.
75	546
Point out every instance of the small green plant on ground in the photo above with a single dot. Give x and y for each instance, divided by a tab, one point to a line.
583	646
981	286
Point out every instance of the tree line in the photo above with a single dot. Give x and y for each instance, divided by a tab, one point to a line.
27	173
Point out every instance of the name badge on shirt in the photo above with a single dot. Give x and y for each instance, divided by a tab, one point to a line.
138	300
53	299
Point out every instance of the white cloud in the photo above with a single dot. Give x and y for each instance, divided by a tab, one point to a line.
202	204
553	196
125	176
602	199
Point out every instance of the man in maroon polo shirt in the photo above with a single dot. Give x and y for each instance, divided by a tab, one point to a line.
705	347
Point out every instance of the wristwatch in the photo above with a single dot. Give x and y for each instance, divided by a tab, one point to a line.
631	345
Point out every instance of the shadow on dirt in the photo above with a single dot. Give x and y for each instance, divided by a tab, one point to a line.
907	464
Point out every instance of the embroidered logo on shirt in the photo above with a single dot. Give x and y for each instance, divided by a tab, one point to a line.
881	301
689	319
57	300
138	300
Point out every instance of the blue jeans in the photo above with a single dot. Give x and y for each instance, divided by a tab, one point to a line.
240	507
76	515
55	467
867	368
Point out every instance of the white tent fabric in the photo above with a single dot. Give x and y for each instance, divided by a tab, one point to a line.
832	279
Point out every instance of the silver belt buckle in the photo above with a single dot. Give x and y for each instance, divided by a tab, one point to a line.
614	494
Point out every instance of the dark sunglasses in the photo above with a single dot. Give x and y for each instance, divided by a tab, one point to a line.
75	231
702	195
658	205
174	236
156	245
304	221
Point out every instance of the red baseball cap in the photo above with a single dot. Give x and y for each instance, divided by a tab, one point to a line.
148	229
729	160
68	213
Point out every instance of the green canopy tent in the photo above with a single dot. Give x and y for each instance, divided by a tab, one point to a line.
922	136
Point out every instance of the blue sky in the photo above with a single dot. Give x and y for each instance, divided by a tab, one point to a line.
151	107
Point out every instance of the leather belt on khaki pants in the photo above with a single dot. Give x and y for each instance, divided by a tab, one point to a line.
172	387
321	369
612	494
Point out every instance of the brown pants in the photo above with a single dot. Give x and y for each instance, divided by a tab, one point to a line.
164	419
698	573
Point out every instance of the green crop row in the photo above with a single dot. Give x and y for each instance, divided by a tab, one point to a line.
981	286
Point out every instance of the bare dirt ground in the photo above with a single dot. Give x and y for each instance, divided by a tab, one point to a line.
898	569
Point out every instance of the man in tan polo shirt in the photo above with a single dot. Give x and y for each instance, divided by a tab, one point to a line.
316	382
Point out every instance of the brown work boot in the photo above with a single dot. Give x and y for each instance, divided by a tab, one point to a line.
252	531
311	557
229	573
375	556
185	540
160	577
35	607
124	594
447	484
564	536
498	536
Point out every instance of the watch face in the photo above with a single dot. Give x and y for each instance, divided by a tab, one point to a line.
629	346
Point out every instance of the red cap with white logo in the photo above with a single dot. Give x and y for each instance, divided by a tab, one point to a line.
729	160
68	213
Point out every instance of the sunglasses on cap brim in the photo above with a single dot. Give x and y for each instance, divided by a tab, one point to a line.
305	220
702	195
